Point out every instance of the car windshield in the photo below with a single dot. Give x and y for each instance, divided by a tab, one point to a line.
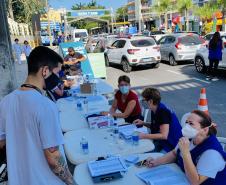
80	34
143	43
189	40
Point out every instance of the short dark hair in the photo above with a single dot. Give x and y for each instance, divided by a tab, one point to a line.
152	94
16	40
206	121
43	56
26	42
124	78
71	48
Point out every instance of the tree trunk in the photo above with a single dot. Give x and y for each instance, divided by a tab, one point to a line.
166	22
187	20
223	20
10	9
160	22
7	68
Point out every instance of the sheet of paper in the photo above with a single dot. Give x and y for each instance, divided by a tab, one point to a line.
163	175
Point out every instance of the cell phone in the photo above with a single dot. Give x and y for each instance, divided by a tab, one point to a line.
139	126
141	163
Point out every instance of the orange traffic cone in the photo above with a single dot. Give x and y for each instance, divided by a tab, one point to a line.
203	105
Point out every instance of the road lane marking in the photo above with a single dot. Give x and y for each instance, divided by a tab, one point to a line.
178	73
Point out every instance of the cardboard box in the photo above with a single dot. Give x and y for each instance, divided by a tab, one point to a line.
86	88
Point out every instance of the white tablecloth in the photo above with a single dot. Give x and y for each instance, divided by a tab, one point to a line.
73	119
82	175
101	144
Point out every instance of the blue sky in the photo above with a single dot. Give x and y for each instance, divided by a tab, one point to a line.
68	3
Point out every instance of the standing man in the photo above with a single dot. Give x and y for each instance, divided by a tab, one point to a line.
30	127
74	59
26	49
17	50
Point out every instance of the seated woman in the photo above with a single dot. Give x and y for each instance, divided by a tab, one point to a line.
165	127
126	101
203	158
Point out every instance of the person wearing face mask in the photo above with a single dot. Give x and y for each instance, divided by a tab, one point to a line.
165	127
55	86
30	128
199	154
126	101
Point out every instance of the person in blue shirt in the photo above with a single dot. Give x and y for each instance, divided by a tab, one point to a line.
199	154
216	46
165	127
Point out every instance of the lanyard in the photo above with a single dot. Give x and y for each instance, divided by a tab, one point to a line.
32	86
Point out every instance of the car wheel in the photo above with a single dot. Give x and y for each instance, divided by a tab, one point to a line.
200	65
172	60
125	66
156	65
107	64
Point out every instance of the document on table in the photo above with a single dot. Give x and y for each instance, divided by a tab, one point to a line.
107	166
128	130
163	175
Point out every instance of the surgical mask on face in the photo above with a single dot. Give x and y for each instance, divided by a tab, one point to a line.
51	81
189	132
124	89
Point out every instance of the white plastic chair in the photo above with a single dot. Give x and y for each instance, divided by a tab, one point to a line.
222	141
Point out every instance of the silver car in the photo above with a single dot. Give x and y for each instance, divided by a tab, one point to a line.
179	47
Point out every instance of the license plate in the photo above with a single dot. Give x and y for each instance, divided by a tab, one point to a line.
192	47
147	59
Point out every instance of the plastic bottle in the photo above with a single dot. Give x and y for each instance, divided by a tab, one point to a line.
110	120
85	103
135	138
84	145
79	105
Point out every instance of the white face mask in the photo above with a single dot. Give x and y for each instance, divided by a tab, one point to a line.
189	132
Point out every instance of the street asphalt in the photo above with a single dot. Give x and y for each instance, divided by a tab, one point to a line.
180	88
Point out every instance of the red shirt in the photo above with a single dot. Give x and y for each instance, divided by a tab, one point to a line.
122	105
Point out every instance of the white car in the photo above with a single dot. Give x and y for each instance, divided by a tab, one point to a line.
134	51
202	61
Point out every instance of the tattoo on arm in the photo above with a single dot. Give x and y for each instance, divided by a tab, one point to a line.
59	166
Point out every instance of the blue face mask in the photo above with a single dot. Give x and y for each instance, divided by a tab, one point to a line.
124	89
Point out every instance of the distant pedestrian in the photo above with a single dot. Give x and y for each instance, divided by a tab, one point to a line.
17	49
215	55
27	49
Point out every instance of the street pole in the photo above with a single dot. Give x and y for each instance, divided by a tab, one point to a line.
49	29
7	69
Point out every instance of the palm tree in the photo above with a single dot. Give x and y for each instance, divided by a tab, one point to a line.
162	7
185	6
7	69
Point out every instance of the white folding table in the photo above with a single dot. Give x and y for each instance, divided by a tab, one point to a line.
102	143
82	175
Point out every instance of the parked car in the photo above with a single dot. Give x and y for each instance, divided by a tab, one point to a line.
134	51
202	61
155	34
179	47
208	37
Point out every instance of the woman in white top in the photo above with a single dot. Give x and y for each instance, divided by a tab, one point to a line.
26	49
199	154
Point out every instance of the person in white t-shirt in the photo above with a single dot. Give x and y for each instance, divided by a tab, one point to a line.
26	49
202	158
30	128
17	49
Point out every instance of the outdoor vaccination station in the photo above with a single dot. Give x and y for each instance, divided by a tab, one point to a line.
104	150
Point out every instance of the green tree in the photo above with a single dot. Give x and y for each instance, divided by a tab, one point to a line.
162	7
24	9
121	14
185	6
